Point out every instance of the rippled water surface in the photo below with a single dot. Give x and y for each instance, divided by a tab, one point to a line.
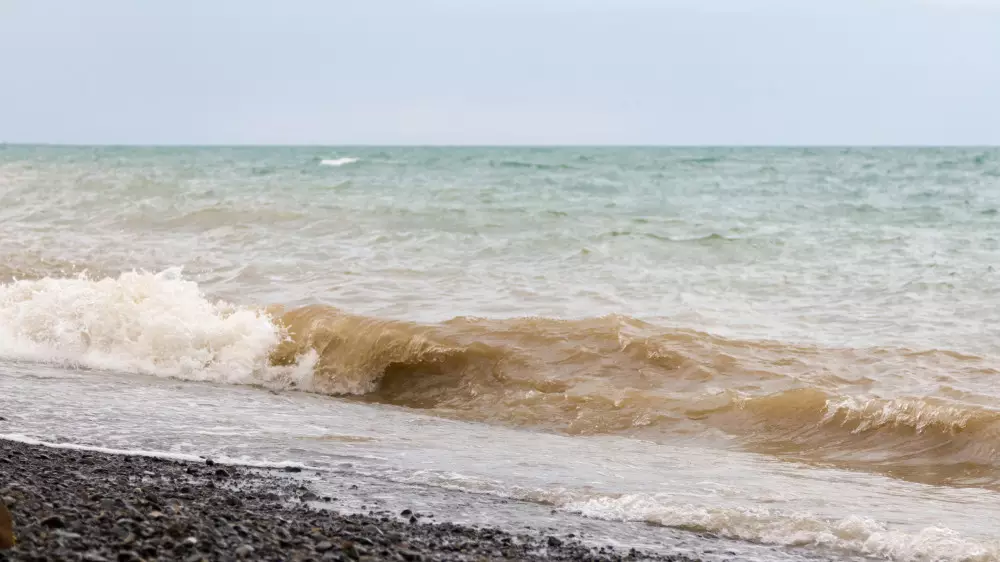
785	347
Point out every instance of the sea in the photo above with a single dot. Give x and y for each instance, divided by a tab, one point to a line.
791	352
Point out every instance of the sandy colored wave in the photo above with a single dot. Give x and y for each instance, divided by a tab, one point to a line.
928	416
623	376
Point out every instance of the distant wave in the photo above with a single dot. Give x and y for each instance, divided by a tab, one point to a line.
713	238
605	375
337	162
704	160
532	165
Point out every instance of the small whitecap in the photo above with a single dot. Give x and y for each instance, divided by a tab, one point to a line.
337	162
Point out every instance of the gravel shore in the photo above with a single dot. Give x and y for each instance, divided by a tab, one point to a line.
81	505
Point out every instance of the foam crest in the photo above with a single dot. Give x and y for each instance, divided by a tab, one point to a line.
857	535
337	162
150	323
919	415
605	375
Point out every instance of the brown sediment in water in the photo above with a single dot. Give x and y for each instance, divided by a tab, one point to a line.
618	375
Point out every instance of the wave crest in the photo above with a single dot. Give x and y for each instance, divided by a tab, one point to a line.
611	374
138	322
337	162
851	535
354	353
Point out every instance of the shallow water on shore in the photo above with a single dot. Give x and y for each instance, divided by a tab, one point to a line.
734	495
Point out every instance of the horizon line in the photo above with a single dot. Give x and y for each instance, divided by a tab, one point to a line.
5	144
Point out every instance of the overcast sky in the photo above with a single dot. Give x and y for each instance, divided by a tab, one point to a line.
500	71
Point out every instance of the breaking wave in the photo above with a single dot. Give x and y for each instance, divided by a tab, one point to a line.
602	375
854	535
157	324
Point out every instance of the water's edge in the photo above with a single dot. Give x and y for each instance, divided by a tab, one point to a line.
345	494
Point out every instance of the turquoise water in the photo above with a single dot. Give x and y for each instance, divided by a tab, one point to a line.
840	246
787	346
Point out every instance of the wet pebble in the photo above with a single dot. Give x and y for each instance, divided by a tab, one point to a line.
78	505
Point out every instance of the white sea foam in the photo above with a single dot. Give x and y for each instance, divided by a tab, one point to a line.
918	414
149	323
852	535
185	457
338	161
859	535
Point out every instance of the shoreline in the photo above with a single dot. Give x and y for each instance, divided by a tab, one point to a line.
75	504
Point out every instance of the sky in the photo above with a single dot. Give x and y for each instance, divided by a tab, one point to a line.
500	72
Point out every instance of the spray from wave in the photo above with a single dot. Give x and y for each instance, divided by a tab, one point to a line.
595	376
337	162
157	324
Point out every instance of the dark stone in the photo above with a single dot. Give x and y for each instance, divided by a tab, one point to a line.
351	551
54	522
129	537
292	469
85	506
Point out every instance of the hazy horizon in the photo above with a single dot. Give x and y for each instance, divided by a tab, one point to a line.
472	146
